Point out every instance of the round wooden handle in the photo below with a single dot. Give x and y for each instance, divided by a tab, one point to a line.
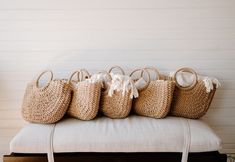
44	72
78	72
148	77
117	67
189	70
158	74
87	74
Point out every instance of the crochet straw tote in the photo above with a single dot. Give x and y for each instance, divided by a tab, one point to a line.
86	97
118	105
192	101
46	104
155	100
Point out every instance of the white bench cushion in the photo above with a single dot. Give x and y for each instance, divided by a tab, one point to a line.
133	134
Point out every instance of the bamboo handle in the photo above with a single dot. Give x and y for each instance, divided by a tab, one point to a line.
117	67
158	74
87	74
44	72
189	70
78	72
148	76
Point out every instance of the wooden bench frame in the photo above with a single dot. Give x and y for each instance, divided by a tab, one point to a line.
117	157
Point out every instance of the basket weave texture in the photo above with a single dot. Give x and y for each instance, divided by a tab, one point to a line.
118	105
191	102
46	104
85	99
155	100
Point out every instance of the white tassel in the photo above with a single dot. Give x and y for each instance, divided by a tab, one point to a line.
209	83
122	83
102	77
216	82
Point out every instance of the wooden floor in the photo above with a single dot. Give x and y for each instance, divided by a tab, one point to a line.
117	157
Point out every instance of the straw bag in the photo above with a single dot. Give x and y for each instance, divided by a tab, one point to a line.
46	104
155	100
86	97
191	101
119	104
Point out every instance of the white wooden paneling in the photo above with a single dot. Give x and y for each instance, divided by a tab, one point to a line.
64	35
124	4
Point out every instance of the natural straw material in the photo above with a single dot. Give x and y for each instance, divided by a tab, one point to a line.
117	105
192	101
155	100
46	104
86	97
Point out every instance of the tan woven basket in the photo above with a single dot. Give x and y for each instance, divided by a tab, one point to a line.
115	106
119	105
192	101
46	104
86	97
155	100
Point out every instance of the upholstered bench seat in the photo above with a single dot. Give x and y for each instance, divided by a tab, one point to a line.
133	134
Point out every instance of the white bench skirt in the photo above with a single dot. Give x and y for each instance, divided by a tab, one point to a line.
133	134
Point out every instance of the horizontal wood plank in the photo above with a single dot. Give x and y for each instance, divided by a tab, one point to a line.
126	4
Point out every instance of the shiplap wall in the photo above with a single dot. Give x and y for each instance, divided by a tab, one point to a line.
64	35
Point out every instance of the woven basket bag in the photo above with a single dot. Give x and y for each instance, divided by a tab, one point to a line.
118	105
86	97
46	104
155	100
192	101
